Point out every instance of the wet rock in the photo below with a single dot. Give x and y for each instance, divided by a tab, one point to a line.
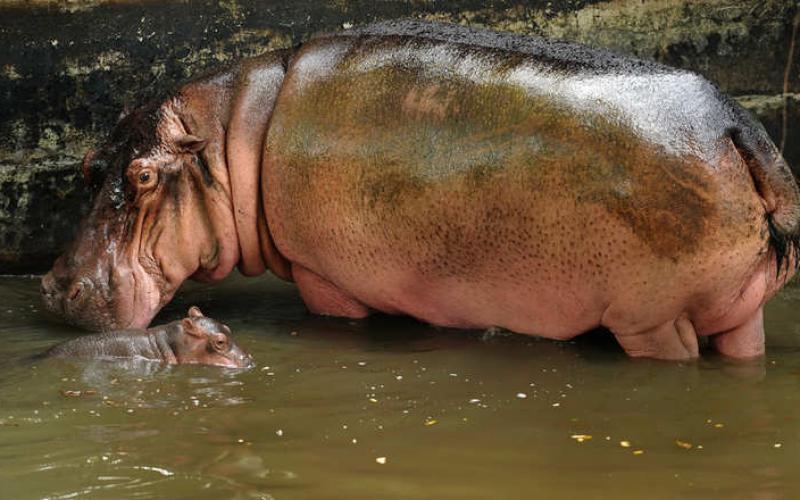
41	202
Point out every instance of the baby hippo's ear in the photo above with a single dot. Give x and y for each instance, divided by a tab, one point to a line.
194	312
191	329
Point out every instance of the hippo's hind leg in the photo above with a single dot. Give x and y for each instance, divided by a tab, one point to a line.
323	297
673	340
744	341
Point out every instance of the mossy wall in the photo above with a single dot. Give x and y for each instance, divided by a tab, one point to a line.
68	67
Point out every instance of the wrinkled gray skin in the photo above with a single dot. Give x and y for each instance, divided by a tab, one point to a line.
195	339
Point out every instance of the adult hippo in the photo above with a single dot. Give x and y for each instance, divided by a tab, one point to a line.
464	177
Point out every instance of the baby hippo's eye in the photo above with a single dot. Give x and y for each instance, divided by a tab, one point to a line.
220	342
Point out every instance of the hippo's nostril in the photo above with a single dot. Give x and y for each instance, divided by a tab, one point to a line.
48	285
76	291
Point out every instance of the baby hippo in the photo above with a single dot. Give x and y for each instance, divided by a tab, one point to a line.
195	339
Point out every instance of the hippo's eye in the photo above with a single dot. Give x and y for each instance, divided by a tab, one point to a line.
220	343
146	178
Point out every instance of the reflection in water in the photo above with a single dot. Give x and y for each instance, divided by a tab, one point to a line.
455	414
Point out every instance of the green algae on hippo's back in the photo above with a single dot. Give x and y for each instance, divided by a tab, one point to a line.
463	177
419	133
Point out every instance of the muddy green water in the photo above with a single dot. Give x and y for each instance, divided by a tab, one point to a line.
452	414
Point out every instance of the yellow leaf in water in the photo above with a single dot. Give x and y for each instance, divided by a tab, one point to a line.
625	444
684	444
638	452
431	421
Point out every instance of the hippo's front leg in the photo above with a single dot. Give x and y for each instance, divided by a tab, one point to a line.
323	297
673	340
744	341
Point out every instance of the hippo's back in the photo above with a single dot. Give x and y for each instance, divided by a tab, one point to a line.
486	179
112	345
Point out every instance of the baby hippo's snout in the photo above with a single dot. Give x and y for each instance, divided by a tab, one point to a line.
195	339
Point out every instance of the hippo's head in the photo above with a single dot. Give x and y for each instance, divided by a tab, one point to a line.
156	220
205	341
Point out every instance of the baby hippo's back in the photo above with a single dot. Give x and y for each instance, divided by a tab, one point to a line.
125	344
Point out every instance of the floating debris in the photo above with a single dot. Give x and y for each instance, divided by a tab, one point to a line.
581	437
683	444
638	452
76	394
279	432
431	421
381	460
625	444
521	395
777	445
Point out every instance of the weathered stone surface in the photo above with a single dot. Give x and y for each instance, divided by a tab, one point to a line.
41	203
68	68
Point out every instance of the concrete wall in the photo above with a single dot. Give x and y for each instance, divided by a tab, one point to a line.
68	67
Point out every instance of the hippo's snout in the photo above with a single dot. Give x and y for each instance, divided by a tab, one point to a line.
79	297
63	300
245	360
237	357
50	293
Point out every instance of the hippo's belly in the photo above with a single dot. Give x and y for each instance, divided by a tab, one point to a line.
491	203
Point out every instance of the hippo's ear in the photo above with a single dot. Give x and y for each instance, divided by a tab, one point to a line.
191	143
191	329
195	312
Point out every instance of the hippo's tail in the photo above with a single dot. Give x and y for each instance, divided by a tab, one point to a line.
776	185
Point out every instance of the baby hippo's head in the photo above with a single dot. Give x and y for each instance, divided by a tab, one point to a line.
202	340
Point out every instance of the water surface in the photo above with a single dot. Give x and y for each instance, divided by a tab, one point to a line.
390	408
